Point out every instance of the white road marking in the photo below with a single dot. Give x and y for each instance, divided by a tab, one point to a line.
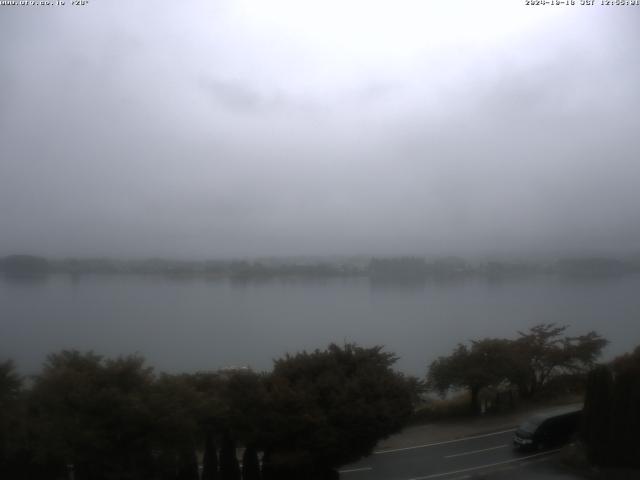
475	451
353	470
380	452
480	467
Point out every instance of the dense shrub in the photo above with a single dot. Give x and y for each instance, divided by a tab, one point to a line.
115	419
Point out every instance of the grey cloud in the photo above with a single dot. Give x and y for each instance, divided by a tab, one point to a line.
237	97
151	139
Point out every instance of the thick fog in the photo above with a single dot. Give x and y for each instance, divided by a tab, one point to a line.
240	128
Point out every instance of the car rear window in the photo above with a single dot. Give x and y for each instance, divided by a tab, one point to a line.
531	424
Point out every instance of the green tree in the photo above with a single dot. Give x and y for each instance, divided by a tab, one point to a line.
10	383
12	417
231	405
187	464
485	363
210	459
625	416
176	406
250	464
229	467
598	401
529	362
243	395
612	413
543	352
90	412
331	407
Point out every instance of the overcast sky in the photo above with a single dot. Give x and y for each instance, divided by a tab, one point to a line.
289	127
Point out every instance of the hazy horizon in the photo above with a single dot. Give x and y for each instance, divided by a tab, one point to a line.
476	258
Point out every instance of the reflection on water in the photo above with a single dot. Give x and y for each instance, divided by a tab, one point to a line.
189	323
24	280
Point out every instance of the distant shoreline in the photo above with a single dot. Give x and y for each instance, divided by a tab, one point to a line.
382	269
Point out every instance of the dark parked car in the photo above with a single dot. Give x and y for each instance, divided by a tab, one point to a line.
551	429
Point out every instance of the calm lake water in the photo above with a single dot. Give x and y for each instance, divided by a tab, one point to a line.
199	324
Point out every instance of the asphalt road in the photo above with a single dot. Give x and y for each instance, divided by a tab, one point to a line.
480	456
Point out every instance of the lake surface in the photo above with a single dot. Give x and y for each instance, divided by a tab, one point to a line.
199	324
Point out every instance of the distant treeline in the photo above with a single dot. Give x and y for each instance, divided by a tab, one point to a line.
380	269
418	268
34	265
